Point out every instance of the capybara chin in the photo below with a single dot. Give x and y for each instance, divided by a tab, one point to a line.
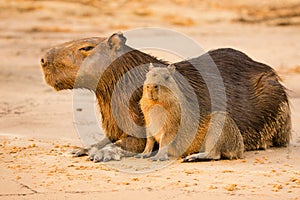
166	108
255	99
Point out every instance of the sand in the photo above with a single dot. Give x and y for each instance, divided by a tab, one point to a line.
37	128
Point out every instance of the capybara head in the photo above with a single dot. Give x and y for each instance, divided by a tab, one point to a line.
104	56
81	63
61	63
159	83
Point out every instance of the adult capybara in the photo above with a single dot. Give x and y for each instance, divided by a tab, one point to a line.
170	117
254	97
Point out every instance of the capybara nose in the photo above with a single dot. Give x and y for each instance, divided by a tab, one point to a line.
43	61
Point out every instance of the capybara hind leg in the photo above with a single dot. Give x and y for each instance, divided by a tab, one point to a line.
213	138
148	149
283	126
222	139
202	156
228	155
132	145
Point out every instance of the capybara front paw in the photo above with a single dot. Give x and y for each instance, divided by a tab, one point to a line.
80	152
143	155
109	152
163	157
92	152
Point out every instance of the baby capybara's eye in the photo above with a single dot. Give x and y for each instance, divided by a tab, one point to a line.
166	77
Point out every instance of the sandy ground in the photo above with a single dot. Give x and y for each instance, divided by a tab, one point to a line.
37	129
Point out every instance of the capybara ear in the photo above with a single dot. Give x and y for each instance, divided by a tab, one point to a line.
116	41
172	68
151	66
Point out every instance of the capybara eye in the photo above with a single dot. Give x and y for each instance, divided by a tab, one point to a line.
88	48
155	86
166	77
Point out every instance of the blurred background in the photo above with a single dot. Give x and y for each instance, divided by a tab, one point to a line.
36	123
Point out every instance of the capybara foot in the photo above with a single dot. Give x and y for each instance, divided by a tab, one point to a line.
92	152
109	152
143	155
80	152
160	157
198	157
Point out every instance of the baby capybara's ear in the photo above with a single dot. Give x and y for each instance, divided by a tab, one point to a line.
151	66
172	68
116	41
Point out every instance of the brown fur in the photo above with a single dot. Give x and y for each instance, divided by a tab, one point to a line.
165	109
256	100
60	64
222	139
